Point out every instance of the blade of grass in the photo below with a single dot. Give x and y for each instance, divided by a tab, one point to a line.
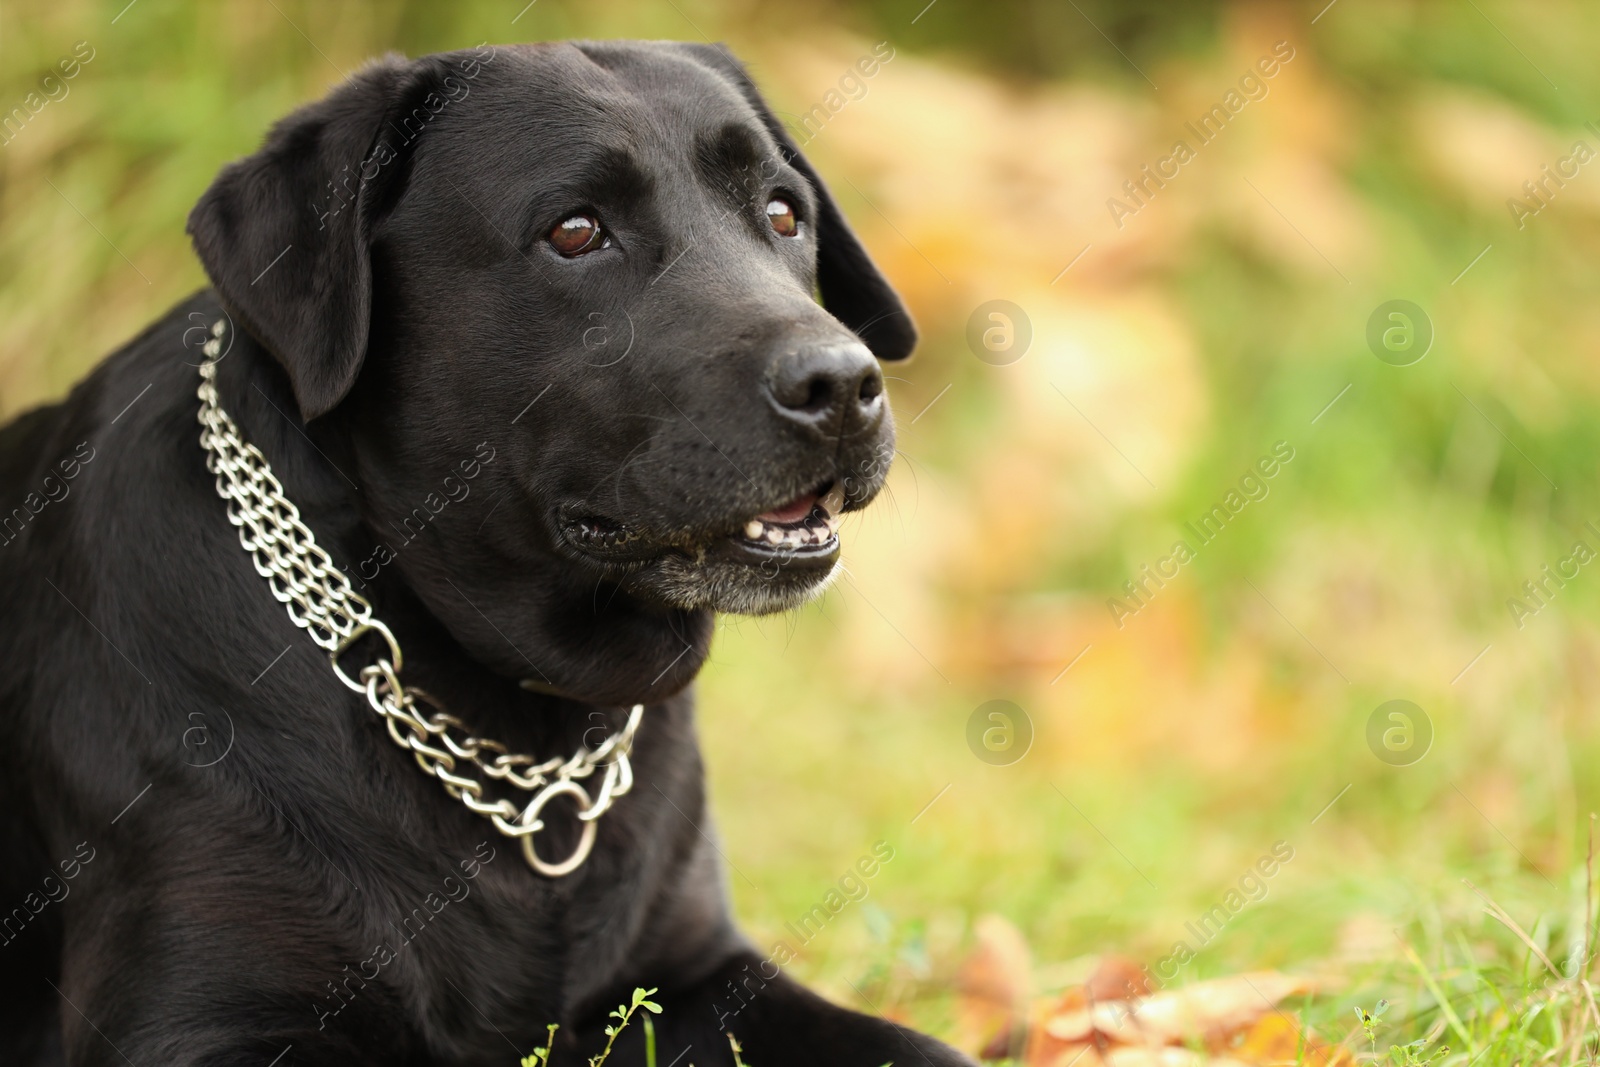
1500	913
1439	995
1495	911
1588	907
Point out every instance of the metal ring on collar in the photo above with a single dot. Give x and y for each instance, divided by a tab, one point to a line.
530	814
356	634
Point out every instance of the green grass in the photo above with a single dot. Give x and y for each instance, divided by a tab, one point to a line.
1488	997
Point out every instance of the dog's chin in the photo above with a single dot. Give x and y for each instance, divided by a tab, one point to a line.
716	581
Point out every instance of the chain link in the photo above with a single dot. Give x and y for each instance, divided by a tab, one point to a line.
319	599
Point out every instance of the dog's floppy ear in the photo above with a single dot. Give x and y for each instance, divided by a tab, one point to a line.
853	289
284	233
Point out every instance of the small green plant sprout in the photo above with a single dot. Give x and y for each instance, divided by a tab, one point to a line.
540	1057
624	1014
733	1043
1369	1021
1410	1054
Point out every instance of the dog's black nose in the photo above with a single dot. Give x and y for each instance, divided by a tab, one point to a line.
827	386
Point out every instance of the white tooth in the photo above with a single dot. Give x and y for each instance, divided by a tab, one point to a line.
753	528
774	536
833	503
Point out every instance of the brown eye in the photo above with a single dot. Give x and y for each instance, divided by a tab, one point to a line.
577	235
781	215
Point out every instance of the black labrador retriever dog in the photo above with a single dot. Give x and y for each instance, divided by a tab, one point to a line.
331	600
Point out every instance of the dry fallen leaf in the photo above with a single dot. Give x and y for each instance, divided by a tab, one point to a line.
1164	1056
1113	1018
1114	981
1128	1056
1113	1021
1277	1039
1208	1011
994	987
1117	978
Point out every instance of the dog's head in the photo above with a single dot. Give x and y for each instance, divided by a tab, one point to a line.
603	345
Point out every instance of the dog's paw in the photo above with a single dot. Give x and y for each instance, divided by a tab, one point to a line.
920	1049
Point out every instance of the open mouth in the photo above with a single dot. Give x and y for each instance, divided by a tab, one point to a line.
804	529
809	523
756	564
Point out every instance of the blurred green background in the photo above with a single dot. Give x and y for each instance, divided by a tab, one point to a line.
1227	313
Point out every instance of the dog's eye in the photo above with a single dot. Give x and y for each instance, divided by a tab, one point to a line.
781	215
577	235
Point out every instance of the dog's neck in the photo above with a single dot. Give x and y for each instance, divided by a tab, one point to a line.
314	462
621	652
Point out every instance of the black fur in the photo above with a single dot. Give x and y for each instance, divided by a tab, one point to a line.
212	853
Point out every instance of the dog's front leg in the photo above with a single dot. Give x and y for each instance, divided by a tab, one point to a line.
778	1023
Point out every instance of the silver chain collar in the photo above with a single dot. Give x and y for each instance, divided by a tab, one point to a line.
320	601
